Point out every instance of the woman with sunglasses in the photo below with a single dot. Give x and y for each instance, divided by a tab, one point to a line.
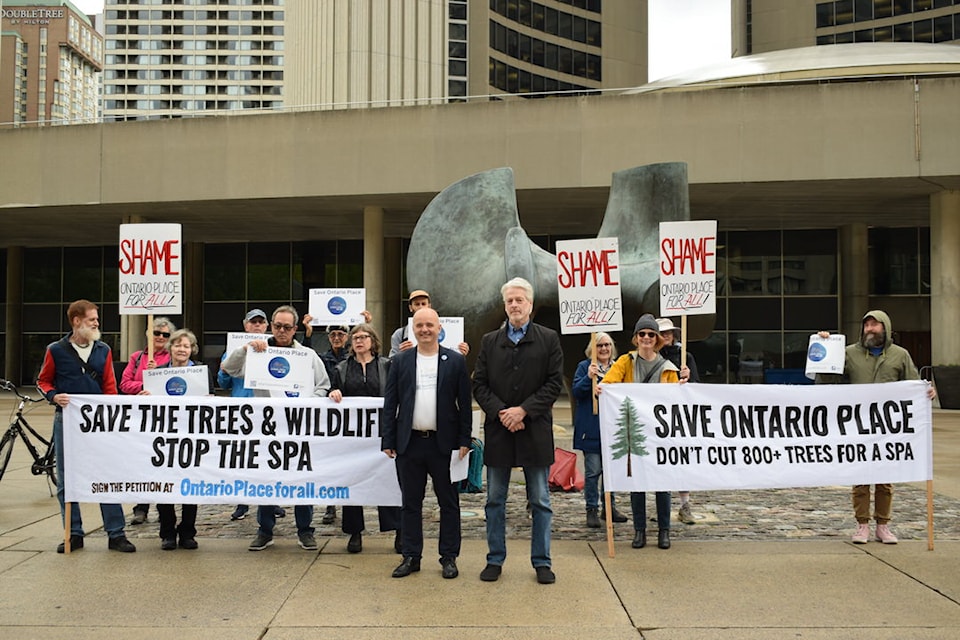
363	373
646	365
131	382
586	425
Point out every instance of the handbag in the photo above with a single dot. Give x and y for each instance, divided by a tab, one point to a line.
564	474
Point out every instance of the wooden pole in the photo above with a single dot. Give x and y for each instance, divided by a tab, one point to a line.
593	383
149	338
66	523
929	515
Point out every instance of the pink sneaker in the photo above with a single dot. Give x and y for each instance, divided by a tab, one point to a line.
862	536
884	534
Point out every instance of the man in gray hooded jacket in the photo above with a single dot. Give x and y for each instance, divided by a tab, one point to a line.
874	358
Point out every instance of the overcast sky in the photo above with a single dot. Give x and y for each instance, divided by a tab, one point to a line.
684	34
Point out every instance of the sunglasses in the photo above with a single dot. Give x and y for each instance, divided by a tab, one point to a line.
283	327
157	334
647	334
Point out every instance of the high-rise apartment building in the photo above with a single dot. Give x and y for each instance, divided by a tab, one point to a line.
770	25
50	62
176	58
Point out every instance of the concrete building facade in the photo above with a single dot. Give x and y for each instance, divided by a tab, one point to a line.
771	25
50	63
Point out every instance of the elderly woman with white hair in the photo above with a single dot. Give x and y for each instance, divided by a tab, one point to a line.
586	424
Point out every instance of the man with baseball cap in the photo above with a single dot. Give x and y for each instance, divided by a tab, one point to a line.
419	299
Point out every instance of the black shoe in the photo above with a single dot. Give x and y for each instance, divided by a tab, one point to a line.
279	512
618	517
188	543
449	568
593	519
121	544
545	575
355	544
408	566
639	539
168	544
139	517
397	543
76	543
329	515
240	512
663	539
491	573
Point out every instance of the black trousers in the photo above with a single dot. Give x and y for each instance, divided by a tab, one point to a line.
353	519
168	521
421	459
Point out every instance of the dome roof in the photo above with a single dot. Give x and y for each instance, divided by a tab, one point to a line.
826	62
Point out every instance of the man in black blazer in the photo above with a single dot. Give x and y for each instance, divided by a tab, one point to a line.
426	416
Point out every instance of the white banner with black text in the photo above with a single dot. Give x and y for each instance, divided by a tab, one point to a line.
672	437
203	450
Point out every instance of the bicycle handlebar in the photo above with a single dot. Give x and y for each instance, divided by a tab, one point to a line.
6	385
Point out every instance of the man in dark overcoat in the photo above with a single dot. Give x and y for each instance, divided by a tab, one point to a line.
518	376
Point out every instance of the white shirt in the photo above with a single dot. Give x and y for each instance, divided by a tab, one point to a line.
425	404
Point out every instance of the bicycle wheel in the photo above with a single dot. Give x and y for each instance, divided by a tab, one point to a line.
6	448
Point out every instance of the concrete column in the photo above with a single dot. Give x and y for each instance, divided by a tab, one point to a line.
13	327
393	285
854	279
945	276
373	265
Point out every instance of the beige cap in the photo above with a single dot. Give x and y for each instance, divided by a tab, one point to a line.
418	293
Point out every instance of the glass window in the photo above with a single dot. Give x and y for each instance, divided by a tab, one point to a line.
863	10
863	35
81	278
224	273
810	262
893	260
923	31
457	68
844	11
458	31
753	353
268	271
902	7
753	262
824	14
882	8
41	275
754	314
903	32
810	314
943	29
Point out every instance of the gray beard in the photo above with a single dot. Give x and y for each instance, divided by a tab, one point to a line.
89	334
871	340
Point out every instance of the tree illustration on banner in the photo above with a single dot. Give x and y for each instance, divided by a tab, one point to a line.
628	438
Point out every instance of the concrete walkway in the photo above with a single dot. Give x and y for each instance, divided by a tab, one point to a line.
754	566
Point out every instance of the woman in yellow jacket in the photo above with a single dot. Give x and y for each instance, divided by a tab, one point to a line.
646	365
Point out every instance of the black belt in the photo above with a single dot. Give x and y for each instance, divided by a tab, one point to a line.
424	434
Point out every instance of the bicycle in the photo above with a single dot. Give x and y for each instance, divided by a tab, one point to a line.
42	464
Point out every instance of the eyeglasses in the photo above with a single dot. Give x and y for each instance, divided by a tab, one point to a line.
157	334
361	336
604	345
337	334
647	334
283	327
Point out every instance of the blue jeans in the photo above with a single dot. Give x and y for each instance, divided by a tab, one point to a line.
538	494
638	502
267	518
112	514
593	471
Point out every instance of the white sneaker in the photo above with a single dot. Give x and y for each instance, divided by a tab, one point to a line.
884	534
862	536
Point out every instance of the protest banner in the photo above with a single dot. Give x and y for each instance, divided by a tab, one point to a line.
280	369
588	285
337	306
703	437
150	269
213	450
825	355
688	268
177	381
451	332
